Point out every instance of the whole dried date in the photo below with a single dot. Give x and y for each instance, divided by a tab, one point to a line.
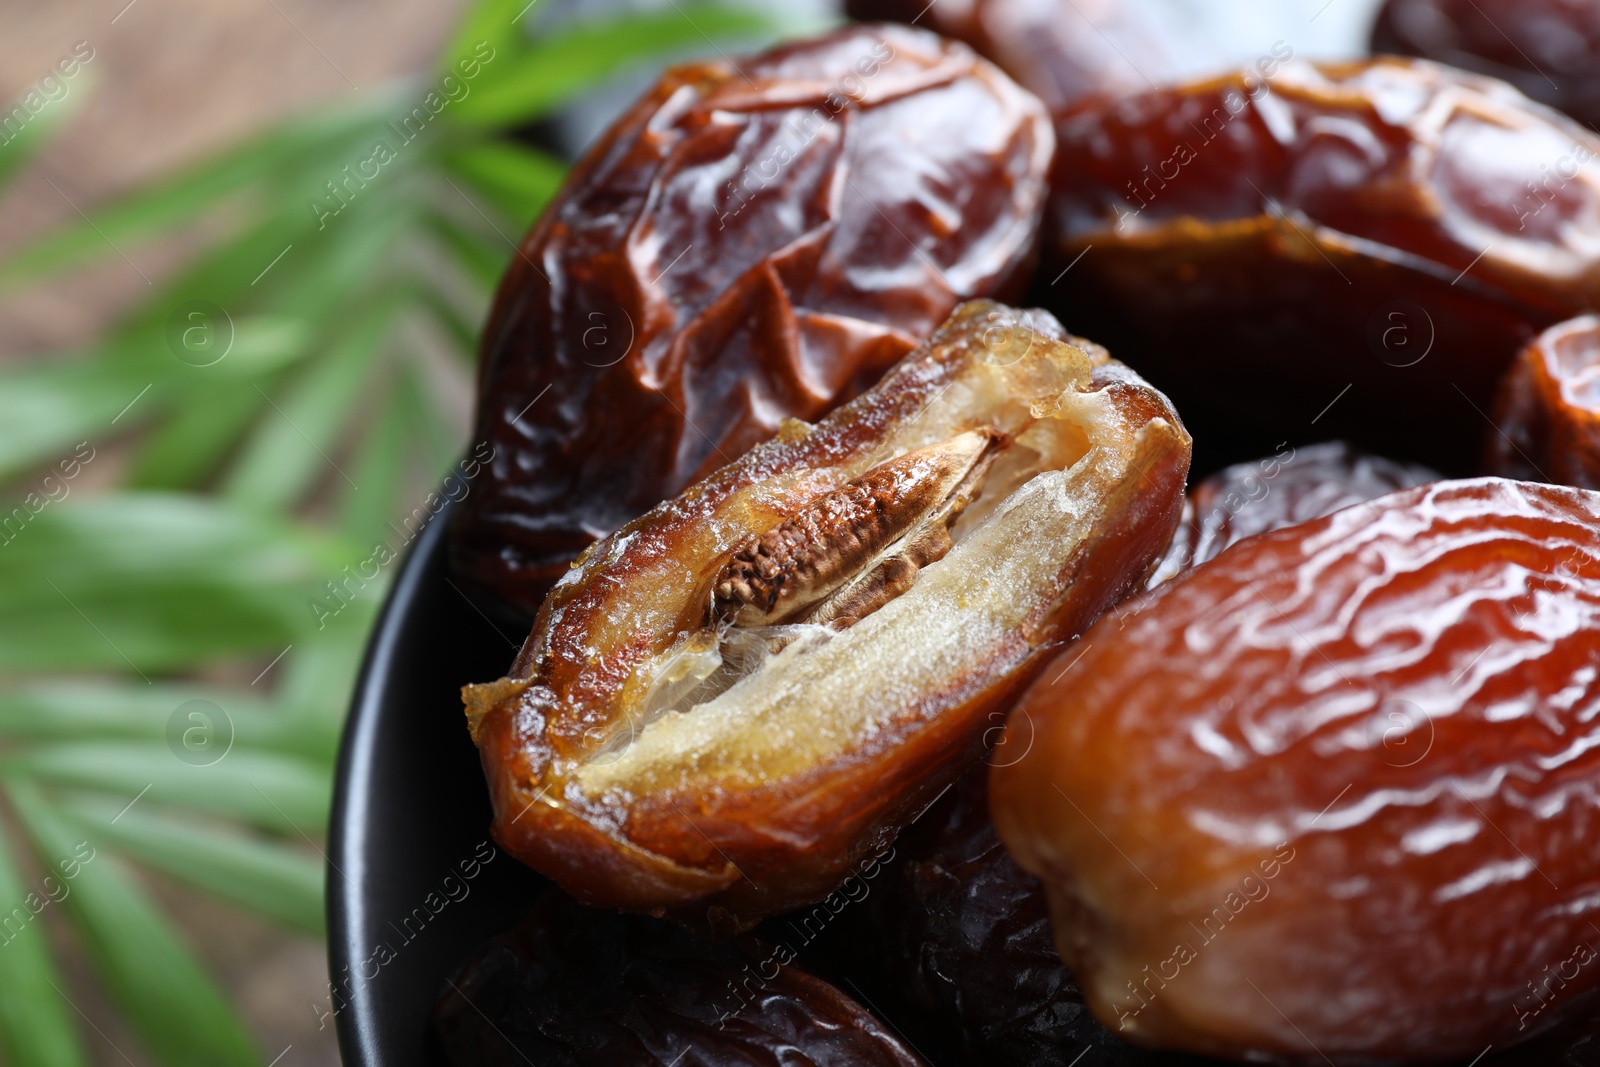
577	986
745	244
1550	49
1390	230
656	748
1291	486
1548	409
1332	793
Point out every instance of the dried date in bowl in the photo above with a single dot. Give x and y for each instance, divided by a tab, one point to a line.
582	987
745	244
1548	409
683	732
1365	246
1333	793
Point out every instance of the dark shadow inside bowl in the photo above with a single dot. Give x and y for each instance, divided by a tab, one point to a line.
410	890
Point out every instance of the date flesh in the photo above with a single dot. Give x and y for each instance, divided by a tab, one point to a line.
578	987
1333	792
1548	409
743	245
1337	242
655	749
1550	49
1291	486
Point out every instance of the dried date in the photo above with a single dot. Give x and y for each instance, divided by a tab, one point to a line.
575	986
1550	49
1291	486
1548	409
745	244
657	748
1331	794
1333	243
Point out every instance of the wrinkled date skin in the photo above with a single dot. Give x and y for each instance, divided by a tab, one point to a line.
1334	792
1291	486
1550	49
740	247
1065	53
586	988
1367	245
661	746
1548	409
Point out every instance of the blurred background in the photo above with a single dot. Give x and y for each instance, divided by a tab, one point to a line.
236	351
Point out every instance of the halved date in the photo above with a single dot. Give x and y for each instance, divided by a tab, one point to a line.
1334	792
747	243
1548	409
583	987
1330	244
728	703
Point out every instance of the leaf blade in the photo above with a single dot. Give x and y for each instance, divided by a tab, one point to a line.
35	1024
172	1003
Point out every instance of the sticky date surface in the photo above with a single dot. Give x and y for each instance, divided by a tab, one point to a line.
1335	787
586	988
1263	245
740	247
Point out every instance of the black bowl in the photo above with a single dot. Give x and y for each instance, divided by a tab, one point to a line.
410	894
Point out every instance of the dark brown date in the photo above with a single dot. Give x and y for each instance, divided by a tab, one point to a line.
1548	409
1363	246
579	987
1550	49
1293	485
745	244
1333	793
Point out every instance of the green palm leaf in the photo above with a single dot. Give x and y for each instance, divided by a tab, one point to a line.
250	492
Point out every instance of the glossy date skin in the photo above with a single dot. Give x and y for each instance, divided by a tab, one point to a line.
1332	793
651	753
1257	246
1548	409
1291	486
578	987
1550	49
740	247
